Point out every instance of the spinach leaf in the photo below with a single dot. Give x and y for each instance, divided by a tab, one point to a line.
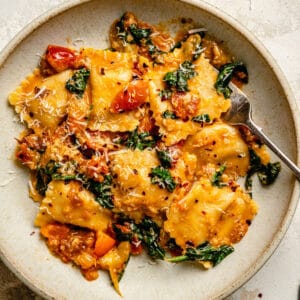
77	83
136	35
164	158
204	252
149	235
266	173
122	233
162	177
204	118
102	190
167	114
154	52
255	161
57	176
225	75
45	175
216	179
136	140
121	32
146	231
178	79
171	79
176	46
139	33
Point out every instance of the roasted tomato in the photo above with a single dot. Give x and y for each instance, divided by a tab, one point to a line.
135	94
61	58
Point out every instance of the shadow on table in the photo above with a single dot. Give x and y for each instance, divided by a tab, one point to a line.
11	288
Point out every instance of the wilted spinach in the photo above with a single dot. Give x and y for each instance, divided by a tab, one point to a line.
77	83
204	252
225	75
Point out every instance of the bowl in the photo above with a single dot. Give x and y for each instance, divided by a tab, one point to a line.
88	22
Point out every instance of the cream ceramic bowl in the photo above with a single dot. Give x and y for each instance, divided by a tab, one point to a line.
274	110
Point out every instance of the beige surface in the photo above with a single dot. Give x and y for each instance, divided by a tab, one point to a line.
277	24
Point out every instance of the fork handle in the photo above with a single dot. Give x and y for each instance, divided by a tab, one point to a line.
260	134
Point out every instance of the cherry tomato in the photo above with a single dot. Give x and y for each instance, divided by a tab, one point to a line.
136	247
60	58
135	94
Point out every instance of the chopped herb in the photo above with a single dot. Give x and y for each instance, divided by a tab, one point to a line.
139	33
164	158
102	191
136	140
167	114
225	75
162	177
178	79
204	252
165	94
204	118
77	83
216	179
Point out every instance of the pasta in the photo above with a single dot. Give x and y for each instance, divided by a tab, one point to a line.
127	150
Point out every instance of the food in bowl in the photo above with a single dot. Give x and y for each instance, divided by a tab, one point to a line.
127	150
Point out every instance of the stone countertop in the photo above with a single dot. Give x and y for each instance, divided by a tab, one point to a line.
276	23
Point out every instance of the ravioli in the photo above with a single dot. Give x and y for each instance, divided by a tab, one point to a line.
134	193
110	73
207	213
71	204
42	101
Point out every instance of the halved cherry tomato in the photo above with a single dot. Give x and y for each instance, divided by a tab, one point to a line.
136	247
60	58
135	94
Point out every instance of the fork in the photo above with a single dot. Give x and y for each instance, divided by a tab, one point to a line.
240	113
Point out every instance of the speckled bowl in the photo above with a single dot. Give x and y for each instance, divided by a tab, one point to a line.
274	110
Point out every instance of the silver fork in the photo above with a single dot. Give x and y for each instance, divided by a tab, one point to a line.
240	113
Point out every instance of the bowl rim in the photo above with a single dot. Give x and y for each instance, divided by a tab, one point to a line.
266	55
